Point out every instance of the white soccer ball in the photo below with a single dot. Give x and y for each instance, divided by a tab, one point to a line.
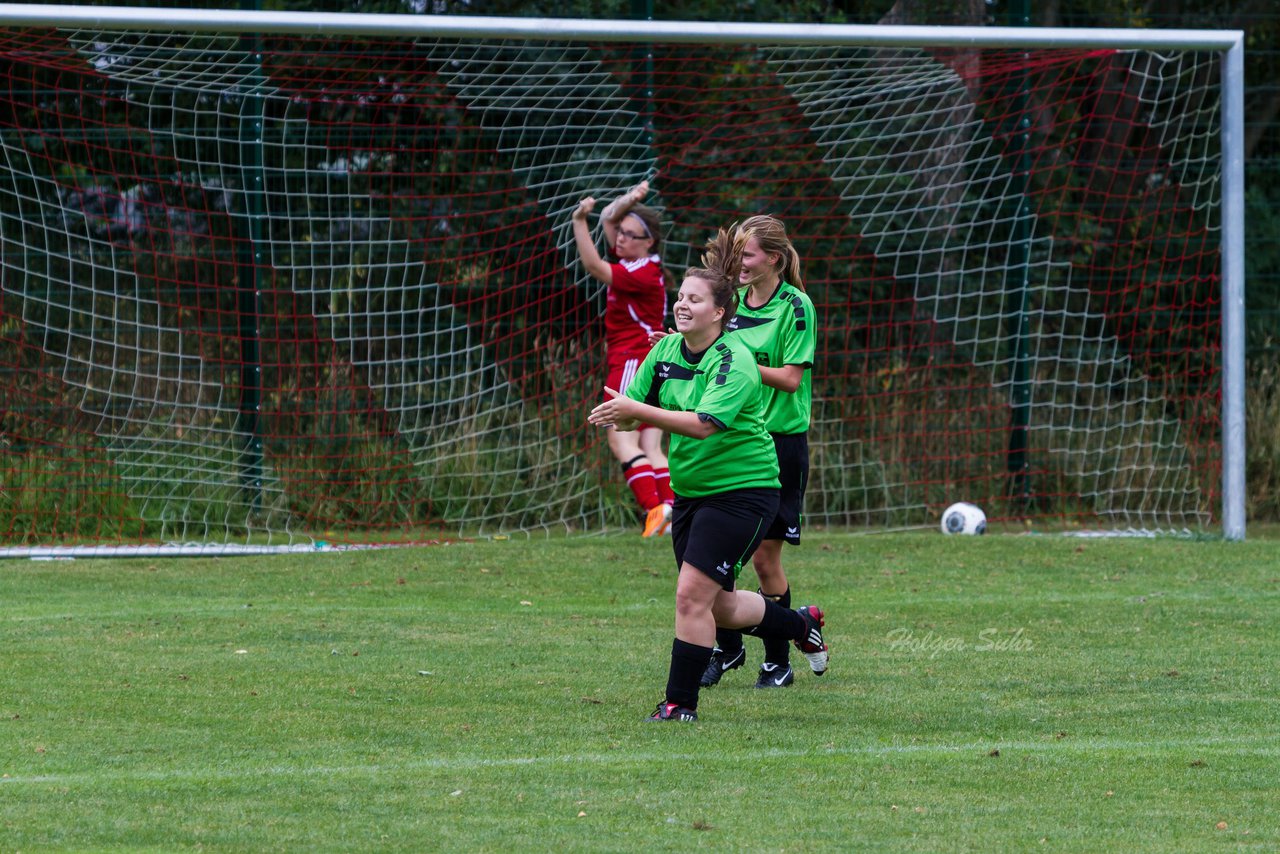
964	518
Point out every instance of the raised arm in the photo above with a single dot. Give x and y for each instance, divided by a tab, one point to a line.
599	268
611	216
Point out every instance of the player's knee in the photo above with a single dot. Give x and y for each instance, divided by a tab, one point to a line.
768	568
688	605
695	593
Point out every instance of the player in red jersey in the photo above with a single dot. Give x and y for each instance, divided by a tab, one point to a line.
635	308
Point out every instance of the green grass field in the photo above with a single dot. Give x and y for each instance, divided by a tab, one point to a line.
997	693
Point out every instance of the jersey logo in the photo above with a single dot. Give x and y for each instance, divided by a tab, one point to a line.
662	372
739	322
672	371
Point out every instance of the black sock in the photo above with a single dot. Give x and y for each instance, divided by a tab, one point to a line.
778	650
779	622
728	641
688	663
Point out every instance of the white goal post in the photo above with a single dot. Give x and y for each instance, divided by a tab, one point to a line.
1048	326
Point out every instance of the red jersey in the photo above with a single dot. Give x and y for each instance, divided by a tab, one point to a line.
636	305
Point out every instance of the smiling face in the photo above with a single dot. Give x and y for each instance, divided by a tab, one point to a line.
695	311
757	264
632	241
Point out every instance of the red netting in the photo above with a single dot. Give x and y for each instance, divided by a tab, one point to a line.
334	294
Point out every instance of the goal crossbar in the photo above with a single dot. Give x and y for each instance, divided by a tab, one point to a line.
552	29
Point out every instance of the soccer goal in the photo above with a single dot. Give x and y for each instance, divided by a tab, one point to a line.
286	279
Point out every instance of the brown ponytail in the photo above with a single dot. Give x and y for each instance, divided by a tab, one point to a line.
721	263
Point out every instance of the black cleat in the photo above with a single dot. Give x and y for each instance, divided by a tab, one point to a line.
720	664
812	644
673	712
775	675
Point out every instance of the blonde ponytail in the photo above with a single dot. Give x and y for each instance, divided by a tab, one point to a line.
771	236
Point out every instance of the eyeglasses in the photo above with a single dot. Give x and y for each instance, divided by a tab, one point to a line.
631	235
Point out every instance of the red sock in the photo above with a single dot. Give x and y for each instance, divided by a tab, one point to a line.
640	479
662	479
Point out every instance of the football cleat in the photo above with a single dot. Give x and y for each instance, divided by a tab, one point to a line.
720	664
657	521
775	675
673	712
812	644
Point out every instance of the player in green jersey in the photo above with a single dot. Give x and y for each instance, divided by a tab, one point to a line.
776	322
703	388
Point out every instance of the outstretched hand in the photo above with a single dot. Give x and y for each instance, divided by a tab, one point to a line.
618	208
615	412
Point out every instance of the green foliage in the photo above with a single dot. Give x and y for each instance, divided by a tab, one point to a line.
58	493
1262	273
984	694
1262	439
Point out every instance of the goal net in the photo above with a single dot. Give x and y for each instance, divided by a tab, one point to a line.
304	286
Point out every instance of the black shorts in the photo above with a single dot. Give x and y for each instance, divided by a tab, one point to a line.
718	533
793	472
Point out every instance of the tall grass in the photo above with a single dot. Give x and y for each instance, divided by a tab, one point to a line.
896	446
888	452
1262	439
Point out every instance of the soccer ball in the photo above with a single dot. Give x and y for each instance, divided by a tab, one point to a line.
964	518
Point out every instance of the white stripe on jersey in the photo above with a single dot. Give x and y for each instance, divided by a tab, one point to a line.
633	264
631	310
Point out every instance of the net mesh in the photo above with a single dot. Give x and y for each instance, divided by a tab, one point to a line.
275	289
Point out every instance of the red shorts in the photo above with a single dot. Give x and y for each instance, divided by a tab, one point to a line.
621	371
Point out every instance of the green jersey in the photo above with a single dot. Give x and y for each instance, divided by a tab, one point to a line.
783	331
722	385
